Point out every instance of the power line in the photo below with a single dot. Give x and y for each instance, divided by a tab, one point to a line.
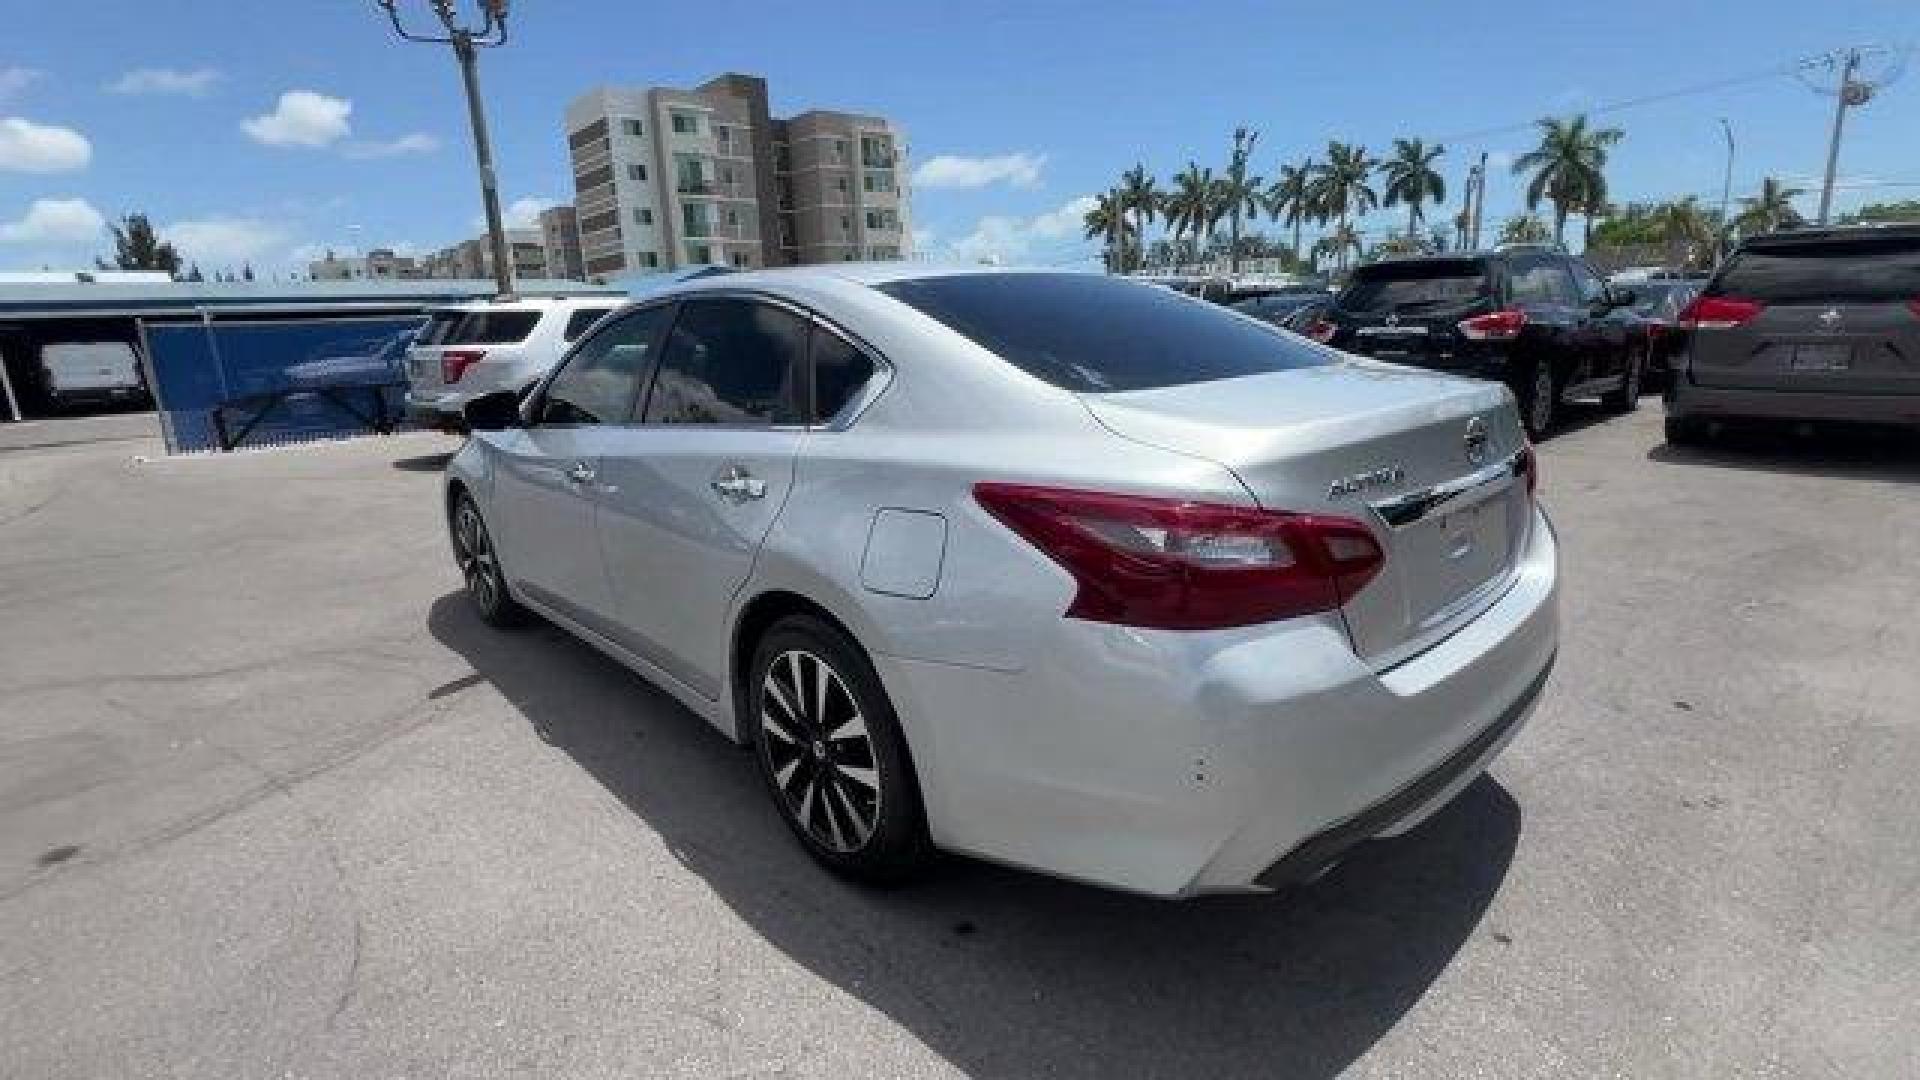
1775	72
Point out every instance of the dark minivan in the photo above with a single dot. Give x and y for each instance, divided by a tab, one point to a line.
1533	317
1807	325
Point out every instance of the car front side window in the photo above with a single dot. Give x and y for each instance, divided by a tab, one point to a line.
730	362
601	380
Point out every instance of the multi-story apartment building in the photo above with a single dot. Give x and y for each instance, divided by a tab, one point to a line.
560	234
378	264
666	178
473	259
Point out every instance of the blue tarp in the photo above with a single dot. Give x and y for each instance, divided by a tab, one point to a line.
279	380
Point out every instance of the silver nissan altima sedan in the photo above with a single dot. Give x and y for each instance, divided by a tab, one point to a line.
1060	570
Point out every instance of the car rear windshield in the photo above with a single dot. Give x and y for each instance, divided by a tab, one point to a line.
478	327
1850	270
1427	283
1094	335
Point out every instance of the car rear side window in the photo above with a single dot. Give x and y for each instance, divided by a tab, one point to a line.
1845	270
581	320
478	327
730	361
839	371
1411	285
1092	334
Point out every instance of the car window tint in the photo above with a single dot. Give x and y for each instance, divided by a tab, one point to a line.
601	379
1587	285
1538	281
839	371
478	327
1093	334
729	361
1414	284
1848	270
579	322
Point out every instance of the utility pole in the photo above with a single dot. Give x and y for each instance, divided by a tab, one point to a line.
1850	89
1479	201
1726	191
466	42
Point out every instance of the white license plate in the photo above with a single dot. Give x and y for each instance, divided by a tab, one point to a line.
1822	357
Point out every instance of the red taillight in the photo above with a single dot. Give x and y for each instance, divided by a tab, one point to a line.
1178	565
1718	312
1321	331
455	362
1494	325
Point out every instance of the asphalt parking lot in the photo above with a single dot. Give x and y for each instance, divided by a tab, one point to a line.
273	803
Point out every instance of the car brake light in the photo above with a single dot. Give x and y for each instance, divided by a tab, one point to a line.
1718	312
1321	331
1494	325
455	362
1178	565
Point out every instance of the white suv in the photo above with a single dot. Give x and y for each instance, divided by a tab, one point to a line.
472	349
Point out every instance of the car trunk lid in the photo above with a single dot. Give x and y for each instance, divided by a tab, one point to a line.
1425	461
1410	311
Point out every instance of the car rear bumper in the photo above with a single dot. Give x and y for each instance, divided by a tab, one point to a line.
1689	400
1232	761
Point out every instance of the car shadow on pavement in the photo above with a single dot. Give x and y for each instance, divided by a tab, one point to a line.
424	462
1822	451
1005	973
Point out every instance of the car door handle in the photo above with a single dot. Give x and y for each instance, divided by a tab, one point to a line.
736	484
580	473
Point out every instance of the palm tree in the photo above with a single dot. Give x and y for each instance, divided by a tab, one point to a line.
1524	229
1339	243
1340	189
1187	205
1289	200
1685	228
1412	179
1107	220
1240	194
1771	210
1139	193
1569	168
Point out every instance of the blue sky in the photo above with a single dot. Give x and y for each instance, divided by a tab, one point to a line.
179	109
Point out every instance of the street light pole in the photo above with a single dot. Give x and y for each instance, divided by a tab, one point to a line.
466	43
1726	190
1842	99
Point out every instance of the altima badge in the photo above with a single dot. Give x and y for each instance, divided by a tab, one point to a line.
1385	476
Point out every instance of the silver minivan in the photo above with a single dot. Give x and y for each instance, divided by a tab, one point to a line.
1812	324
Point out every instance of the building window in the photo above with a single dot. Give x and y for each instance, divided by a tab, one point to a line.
643	215
846	223
647	259
637	172
634	129
840	150
876	152
840	184
699	253
733	218
878	181
880	219
686	124
740	259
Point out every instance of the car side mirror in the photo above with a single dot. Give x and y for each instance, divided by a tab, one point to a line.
1625	297
497	411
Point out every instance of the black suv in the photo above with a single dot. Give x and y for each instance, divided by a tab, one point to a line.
1533	317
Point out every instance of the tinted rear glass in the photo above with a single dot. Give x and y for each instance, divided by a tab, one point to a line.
1855	270
479	327
1092	334
1427	283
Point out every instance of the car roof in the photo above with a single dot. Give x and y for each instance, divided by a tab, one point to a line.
1818	233
534	303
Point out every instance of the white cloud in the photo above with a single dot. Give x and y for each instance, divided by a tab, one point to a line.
41	148
418	142
519	214
55	223
195	83
956	171
302	118
15	79
1002	239
224	241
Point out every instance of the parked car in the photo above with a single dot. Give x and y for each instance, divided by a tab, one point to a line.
79	373
467	350
1657	303
1812	324
1532	317
1062	570
1303	319
1275	304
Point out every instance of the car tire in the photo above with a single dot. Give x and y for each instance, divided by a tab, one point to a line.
834	758
479	563
1539	396
1627	397
1686	431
